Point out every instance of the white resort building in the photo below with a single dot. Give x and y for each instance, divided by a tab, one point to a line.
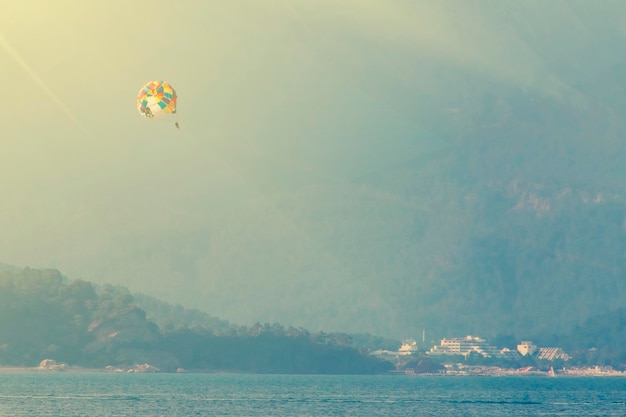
408	347
464	346
552	353
548	353
526	348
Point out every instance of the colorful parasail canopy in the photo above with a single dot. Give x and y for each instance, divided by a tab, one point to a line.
156	99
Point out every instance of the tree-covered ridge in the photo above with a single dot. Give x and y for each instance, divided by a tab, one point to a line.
517	225
44	315
171	317
599	340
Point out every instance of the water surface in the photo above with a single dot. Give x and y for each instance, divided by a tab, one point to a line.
120	394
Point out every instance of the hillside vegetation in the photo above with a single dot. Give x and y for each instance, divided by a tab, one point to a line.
43	315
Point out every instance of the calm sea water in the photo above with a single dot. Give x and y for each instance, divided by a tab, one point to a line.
107	394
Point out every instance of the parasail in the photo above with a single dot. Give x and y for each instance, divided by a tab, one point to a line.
156	99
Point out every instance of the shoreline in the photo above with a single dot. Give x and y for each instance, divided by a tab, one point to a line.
569	373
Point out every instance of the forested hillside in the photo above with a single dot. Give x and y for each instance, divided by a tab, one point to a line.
514	225
45	316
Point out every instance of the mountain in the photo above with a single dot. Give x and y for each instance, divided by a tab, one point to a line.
504	214
454	167
515	226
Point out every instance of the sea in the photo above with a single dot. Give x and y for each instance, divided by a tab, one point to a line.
28	393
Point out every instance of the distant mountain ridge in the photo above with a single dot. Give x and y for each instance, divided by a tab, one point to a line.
515	225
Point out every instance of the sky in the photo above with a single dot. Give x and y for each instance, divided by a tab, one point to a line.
274	96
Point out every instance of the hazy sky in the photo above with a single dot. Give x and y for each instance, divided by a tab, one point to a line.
274	95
